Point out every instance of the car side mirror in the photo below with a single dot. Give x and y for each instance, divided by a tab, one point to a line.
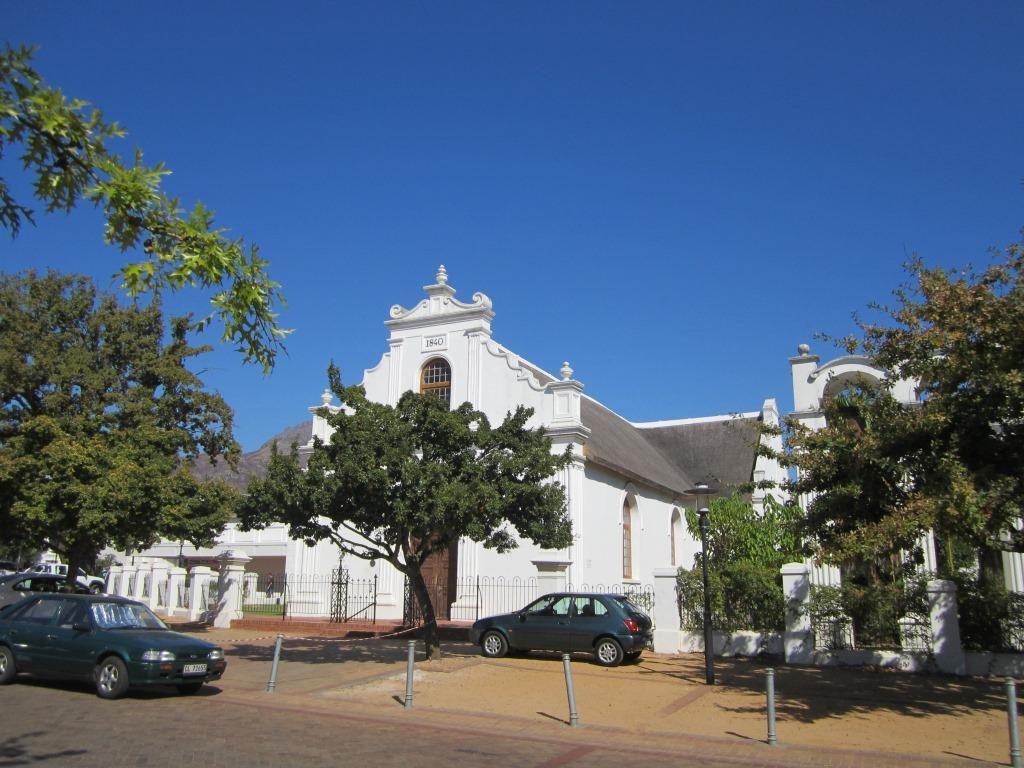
522	616
81	626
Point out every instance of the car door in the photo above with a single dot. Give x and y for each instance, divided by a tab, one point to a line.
29	633
544	625
590	618
71	640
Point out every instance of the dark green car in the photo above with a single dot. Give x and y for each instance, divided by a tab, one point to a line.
610	626
113	641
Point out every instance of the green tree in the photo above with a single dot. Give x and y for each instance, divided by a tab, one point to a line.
882	472
64	148
99	416
402	483
745	552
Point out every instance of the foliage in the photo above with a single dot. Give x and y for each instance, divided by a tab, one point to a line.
402	483
746	551
832	626
882	472
98	416
63	146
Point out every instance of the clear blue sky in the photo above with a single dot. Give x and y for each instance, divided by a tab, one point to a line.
671	196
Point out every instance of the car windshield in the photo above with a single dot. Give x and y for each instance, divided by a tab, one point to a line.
125	616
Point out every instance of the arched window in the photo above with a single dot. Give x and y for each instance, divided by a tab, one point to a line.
627	540
436	380
676	532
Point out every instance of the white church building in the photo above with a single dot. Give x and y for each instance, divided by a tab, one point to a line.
625	490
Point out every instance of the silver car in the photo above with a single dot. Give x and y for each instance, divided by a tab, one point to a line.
19	585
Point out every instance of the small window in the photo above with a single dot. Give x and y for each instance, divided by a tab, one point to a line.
41	612
436	380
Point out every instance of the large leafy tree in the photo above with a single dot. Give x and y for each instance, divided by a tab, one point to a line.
99	416
402	483
64	148
882	472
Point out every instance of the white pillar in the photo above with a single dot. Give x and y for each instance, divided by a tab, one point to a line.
230	583
201	576
128	573
175	578
946	646
141	574
667	635
158	585
798	639
114	574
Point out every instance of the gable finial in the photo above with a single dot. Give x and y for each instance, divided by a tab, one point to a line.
442	275
566	371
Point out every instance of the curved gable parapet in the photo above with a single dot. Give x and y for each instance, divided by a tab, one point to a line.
442	306
849	364
374	369
523	372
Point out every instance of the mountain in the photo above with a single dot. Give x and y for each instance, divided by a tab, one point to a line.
254	463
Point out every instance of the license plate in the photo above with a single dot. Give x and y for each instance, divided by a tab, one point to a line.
194	669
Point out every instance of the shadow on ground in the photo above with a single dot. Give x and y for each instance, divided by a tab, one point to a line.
808	694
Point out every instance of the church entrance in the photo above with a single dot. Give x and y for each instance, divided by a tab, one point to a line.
440	571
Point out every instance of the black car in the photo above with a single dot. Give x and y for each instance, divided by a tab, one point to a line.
112	641
609	626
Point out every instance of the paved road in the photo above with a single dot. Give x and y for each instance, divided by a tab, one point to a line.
237	724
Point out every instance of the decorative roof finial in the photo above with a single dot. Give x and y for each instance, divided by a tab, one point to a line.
442	275
804	349
326	397
566	371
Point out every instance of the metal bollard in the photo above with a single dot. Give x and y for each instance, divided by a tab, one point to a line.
272	682
409	674
574	718
769	685
1011	711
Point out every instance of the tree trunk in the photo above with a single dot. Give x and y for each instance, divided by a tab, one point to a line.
431	639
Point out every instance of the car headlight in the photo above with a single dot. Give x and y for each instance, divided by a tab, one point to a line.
155	655
216	654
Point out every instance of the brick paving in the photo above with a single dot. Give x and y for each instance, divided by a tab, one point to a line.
319	715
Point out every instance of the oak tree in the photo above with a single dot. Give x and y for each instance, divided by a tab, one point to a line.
99	417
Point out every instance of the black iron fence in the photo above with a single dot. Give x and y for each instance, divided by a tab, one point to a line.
329	597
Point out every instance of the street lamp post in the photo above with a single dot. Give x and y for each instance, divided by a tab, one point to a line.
702	491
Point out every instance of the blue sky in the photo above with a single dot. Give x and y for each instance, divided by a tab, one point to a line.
671	196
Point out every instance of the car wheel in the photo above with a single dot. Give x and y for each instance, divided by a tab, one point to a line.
493	644
7	667
96	589
111	678
189	688
608	652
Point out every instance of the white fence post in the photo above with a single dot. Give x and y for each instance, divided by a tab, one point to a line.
667	635
157	585
128	573
175	577
113	579
230	588
201	577
798	639
946	646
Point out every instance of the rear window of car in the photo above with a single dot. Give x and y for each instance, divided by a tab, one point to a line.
626	601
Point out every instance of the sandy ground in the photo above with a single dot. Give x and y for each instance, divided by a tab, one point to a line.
847	709
881	711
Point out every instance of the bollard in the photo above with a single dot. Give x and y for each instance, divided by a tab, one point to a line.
409	674
1011	711
574	718
272	682
769	684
